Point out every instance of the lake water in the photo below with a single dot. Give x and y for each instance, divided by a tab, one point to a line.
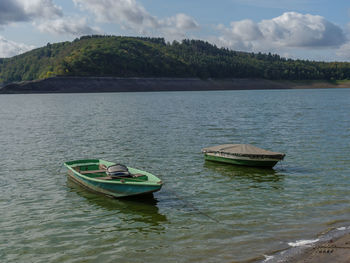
206	212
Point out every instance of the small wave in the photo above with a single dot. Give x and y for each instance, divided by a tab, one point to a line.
342	228
300	243
298	246
268	258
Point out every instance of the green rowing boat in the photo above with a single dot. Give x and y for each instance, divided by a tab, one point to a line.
112	179
242	154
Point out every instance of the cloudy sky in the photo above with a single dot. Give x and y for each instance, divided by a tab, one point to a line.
306	29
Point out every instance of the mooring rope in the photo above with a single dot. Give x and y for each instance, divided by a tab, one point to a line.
187	203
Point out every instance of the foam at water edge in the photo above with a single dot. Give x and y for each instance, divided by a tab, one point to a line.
300	243
298	246
343	228
268	258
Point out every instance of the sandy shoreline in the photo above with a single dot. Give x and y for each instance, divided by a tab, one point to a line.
332	251
114	84
332	248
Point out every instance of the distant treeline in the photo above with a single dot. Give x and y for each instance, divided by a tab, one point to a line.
154	57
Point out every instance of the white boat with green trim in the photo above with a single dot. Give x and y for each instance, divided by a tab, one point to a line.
242	154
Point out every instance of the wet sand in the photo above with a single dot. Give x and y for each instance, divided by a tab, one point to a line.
332	251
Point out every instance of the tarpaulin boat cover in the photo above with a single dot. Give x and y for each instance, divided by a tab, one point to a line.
246	150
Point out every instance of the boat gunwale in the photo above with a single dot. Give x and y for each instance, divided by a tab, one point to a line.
94	161
266	163
252	156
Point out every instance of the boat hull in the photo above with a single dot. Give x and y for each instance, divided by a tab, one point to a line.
269	163
114	190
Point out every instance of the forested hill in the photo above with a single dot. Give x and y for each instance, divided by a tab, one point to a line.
153	57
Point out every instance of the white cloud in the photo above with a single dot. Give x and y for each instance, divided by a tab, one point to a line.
68	26
41	8
126	12
278	4
9	48
180	21
10	11
246	30
290	30
23	10
176	27
133	16
46	16
298	30
344	52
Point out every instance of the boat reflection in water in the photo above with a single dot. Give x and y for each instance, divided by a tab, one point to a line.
243	173
142	208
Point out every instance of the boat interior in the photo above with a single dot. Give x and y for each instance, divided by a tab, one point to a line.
100	171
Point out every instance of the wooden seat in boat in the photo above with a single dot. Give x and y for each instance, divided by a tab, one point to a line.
92	171
137	175
104	178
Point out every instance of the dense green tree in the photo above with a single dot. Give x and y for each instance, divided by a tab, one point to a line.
98	55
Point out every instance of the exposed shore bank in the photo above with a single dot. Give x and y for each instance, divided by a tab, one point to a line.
335	251
114	84
332	247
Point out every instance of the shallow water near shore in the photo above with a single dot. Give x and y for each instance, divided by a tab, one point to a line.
206	212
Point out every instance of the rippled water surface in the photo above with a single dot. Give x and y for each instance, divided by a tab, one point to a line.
206	212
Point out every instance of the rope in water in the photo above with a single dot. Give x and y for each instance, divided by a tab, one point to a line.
187	203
